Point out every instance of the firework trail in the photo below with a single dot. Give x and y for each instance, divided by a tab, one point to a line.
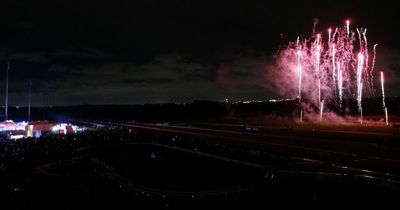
329	35
383	90
386	116
317	65
360	40
359	106
333	62
340	84
321	111
319	91
372	68
301	115
364	33
334	34
299	65
299	73
359	80
348	27
315	25
383	99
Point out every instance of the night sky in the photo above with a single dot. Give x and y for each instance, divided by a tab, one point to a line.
134	51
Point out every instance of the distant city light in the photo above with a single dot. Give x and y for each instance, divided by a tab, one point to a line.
18	130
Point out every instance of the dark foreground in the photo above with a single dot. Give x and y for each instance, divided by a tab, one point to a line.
125	168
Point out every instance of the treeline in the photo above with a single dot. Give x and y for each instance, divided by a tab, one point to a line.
196	110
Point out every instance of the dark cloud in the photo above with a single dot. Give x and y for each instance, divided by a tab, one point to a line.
209	76
388	61
169	51
148	81
31	57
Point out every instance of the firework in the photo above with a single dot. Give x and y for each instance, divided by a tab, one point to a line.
327	69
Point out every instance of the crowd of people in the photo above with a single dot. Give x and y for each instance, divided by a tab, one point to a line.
20	159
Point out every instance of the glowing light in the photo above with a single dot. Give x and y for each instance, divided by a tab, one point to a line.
15	137
8	125
64	128
348	27
21	125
